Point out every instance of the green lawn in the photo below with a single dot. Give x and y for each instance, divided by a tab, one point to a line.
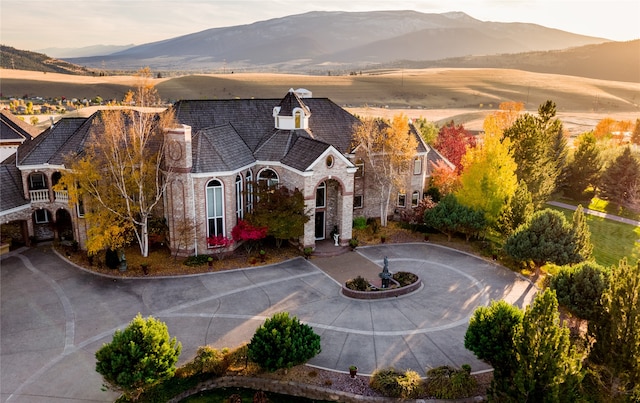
611	240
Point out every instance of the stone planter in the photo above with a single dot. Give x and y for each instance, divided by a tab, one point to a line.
380	293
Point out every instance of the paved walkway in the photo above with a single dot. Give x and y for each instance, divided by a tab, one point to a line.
55	315
596	213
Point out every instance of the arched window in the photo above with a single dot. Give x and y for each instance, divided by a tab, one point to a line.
215	208
248	178
415	199
239	209
321	195
268	178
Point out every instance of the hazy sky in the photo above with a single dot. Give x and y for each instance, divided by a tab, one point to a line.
40	24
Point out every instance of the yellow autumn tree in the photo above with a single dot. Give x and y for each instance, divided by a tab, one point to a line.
389	149
488	180
120	173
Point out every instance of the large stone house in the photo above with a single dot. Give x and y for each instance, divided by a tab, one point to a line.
216	152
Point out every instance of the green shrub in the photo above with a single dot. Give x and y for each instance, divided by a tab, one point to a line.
373	224
579	288
138	357
411	385
386	382
208	360
197	260
360	223
405	278
357	284
282	342
449	383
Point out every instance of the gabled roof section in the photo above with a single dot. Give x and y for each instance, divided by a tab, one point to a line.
304	152
14	129
11	196
253	119
433	157
290	102
219	149
276	145
47	147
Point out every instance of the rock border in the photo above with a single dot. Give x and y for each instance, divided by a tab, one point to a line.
382	294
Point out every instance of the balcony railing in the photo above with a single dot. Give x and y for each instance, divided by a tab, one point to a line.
41	195
62	196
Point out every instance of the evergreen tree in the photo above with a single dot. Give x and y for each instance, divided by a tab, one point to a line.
490	336
585	168
282	342
138	357
517	212
580	288
620	179
546	238
535	145
581	235
616	330
548	368
449	217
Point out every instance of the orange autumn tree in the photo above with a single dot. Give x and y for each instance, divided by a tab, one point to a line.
389	149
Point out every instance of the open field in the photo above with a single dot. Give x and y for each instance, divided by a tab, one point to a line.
465	95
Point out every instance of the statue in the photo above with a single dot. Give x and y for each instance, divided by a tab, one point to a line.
385	275
335	238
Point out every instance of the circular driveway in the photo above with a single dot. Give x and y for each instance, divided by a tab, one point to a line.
55	315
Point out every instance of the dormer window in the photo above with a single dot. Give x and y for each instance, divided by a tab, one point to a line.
298	119
291	114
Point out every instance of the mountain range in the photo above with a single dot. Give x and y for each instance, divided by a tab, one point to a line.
338	41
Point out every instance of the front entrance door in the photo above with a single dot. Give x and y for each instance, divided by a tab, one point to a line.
319	224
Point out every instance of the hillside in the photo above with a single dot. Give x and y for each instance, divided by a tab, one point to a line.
15	59
338	41
619	61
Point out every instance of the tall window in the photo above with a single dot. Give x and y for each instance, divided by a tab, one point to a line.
360	166
215	208
239	210
321	195
417	166
268	178
357	201
298	117
248	178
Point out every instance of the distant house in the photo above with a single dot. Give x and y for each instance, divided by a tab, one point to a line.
217	151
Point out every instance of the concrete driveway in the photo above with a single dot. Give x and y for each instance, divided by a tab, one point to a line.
55	315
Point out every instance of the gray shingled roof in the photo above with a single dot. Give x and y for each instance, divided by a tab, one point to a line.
253	119
47	147
303	152
13	128
11	195
219	149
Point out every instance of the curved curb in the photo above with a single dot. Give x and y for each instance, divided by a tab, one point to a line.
381	294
